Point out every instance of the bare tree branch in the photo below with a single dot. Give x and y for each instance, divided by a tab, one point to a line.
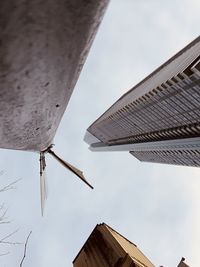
2	206
10	243
2	172
9	186
4	254
9	235
4	241
3	218
25	246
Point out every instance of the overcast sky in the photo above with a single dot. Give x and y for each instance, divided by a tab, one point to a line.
156	206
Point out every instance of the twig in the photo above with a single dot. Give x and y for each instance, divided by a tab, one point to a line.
7	236
4	254
3	218
9	186
11	243
25	246
2	206
2	172
3	240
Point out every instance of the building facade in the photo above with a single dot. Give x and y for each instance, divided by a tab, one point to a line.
105	247
158	120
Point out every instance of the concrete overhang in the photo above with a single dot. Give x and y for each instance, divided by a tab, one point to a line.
43	46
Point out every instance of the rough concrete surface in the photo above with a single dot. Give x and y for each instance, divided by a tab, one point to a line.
43	46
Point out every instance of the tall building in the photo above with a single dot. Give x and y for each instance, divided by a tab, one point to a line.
158	120
107	248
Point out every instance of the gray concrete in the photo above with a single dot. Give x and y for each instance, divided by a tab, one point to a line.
43	46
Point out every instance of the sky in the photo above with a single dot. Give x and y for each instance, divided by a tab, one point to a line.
155	206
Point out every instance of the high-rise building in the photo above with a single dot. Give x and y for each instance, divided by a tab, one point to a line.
158	120
107	248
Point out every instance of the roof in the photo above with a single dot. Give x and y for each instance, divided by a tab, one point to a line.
105	246
182	263
130	248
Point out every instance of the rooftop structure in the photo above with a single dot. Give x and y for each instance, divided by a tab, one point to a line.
158	119
107	248
182	263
